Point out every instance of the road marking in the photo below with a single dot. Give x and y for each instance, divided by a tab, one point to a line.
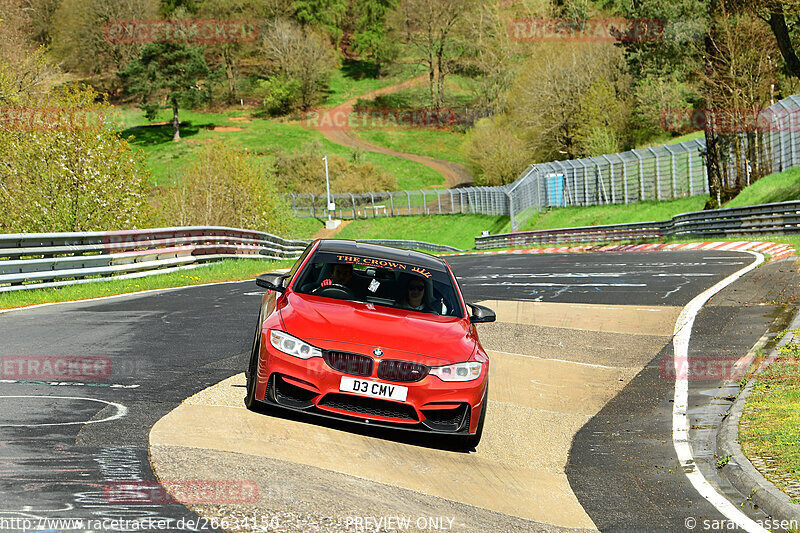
121	411
556	360
680	421
113	296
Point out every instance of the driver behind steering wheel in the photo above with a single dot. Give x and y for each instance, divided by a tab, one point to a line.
342	274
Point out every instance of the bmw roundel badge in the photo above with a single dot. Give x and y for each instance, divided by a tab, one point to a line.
377	352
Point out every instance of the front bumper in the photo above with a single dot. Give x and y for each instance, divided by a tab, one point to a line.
311	386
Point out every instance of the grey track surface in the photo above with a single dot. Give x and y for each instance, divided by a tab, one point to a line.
623	467
176	343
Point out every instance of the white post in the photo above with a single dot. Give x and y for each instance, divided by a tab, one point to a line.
328	187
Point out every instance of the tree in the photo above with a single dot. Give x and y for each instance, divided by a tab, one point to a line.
737	81
602	119
371	37
229	54
431	30
80	42
227	186
169	71
25	72
326	14
496	156
67	171
490	57
551	88
296	55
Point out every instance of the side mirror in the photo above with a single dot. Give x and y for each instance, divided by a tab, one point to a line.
481	314
271	281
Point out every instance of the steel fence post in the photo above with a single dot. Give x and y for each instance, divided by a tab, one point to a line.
408	195
511	211
641	175
658	174
585	184
423	210
313	207
672	168
353	198
439	200
391	202
372	201
611	177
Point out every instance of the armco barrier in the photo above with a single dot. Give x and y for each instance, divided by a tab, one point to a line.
765	219
39	260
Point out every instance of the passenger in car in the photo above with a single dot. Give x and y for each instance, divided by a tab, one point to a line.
414	297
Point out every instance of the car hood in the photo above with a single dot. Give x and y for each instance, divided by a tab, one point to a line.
359	327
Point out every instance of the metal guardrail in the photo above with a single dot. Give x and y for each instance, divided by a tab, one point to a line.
766	219
40	260
43	260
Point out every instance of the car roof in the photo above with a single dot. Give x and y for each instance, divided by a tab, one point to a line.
412	257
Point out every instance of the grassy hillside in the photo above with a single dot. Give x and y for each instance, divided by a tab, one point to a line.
263	137
778	187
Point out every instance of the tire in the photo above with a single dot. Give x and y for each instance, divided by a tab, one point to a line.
251	372
471	442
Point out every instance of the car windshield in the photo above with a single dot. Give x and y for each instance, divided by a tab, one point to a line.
380	282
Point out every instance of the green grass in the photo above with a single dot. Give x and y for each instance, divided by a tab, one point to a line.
303	228
440	144
166	159
457	93
778	187
226	270
453	230
359	77
770	424
571	217
669	138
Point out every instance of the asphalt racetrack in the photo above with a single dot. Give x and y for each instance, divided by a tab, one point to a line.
579	433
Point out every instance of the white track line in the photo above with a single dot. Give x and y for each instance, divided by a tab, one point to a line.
680	420
121	412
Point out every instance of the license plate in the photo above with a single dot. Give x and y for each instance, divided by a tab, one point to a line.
374	389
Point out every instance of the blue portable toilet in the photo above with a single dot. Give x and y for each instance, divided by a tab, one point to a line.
555	190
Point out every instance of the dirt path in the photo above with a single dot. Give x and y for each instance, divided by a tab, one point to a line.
455	175
325	233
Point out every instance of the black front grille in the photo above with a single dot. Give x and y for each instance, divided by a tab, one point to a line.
406	371
349	363
369	406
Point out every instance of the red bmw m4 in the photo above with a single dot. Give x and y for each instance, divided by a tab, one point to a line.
371	334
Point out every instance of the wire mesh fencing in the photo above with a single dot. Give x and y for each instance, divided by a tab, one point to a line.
658	173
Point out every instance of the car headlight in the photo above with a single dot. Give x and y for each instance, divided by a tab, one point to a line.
458	371
292	345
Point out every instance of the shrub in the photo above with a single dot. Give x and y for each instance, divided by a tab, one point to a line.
304	172
495	155
64	170
227	186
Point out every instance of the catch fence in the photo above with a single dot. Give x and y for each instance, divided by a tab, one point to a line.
655	173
